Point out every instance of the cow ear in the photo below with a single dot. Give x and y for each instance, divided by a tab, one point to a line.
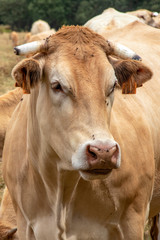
27	74
130	74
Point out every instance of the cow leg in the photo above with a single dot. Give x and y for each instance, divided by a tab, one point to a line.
154	227
132	225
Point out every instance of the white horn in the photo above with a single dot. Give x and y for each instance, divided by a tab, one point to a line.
122	51
28	48
155	14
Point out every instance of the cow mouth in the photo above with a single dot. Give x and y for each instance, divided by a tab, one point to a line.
98	171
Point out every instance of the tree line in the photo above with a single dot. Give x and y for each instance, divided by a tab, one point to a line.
21	14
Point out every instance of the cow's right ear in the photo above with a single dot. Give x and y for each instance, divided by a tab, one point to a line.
27	74
131	74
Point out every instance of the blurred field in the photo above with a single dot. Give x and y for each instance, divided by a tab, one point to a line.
7	61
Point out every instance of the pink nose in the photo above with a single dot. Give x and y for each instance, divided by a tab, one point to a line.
103	156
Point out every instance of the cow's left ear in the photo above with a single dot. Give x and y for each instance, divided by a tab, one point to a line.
27	74
130	74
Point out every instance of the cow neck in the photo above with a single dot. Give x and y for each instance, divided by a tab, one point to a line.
33	131
71	188
41	158
67	185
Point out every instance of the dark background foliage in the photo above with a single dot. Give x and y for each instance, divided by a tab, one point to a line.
21	14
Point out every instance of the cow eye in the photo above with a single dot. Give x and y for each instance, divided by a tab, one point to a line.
112	89
56	86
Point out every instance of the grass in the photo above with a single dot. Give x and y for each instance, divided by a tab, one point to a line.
7	61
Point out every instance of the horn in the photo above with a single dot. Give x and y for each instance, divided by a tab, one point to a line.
155	14
32	47
122	51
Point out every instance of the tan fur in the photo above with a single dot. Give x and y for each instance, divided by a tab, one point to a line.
8	103
51	124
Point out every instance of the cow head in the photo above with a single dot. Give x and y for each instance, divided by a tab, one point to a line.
77	78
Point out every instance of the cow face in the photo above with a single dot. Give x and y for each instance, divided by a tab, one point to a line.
76	91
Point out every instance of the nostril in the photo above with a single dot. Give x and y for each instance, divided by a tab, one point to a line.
91	154
113	150
115	156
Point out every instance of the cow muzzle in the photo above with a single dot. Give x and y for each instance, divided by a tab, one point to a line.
97	159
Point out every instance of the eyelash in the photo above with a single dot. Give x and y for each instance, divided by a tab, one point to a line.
115	84
56	86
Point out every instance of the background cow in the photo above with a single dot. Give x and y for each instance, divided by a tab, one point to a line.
14	38
148	17
8	103
39	26
110	19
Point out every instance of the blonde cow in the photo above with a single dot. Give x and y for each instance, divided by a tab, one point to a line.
110	19
14	38
39	26
8	103
146	16
79	164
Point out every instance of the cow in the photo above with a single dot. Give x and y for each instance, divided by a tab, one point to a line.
110	19
8	103
14	38
156	21
76	165
39	26
145	15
